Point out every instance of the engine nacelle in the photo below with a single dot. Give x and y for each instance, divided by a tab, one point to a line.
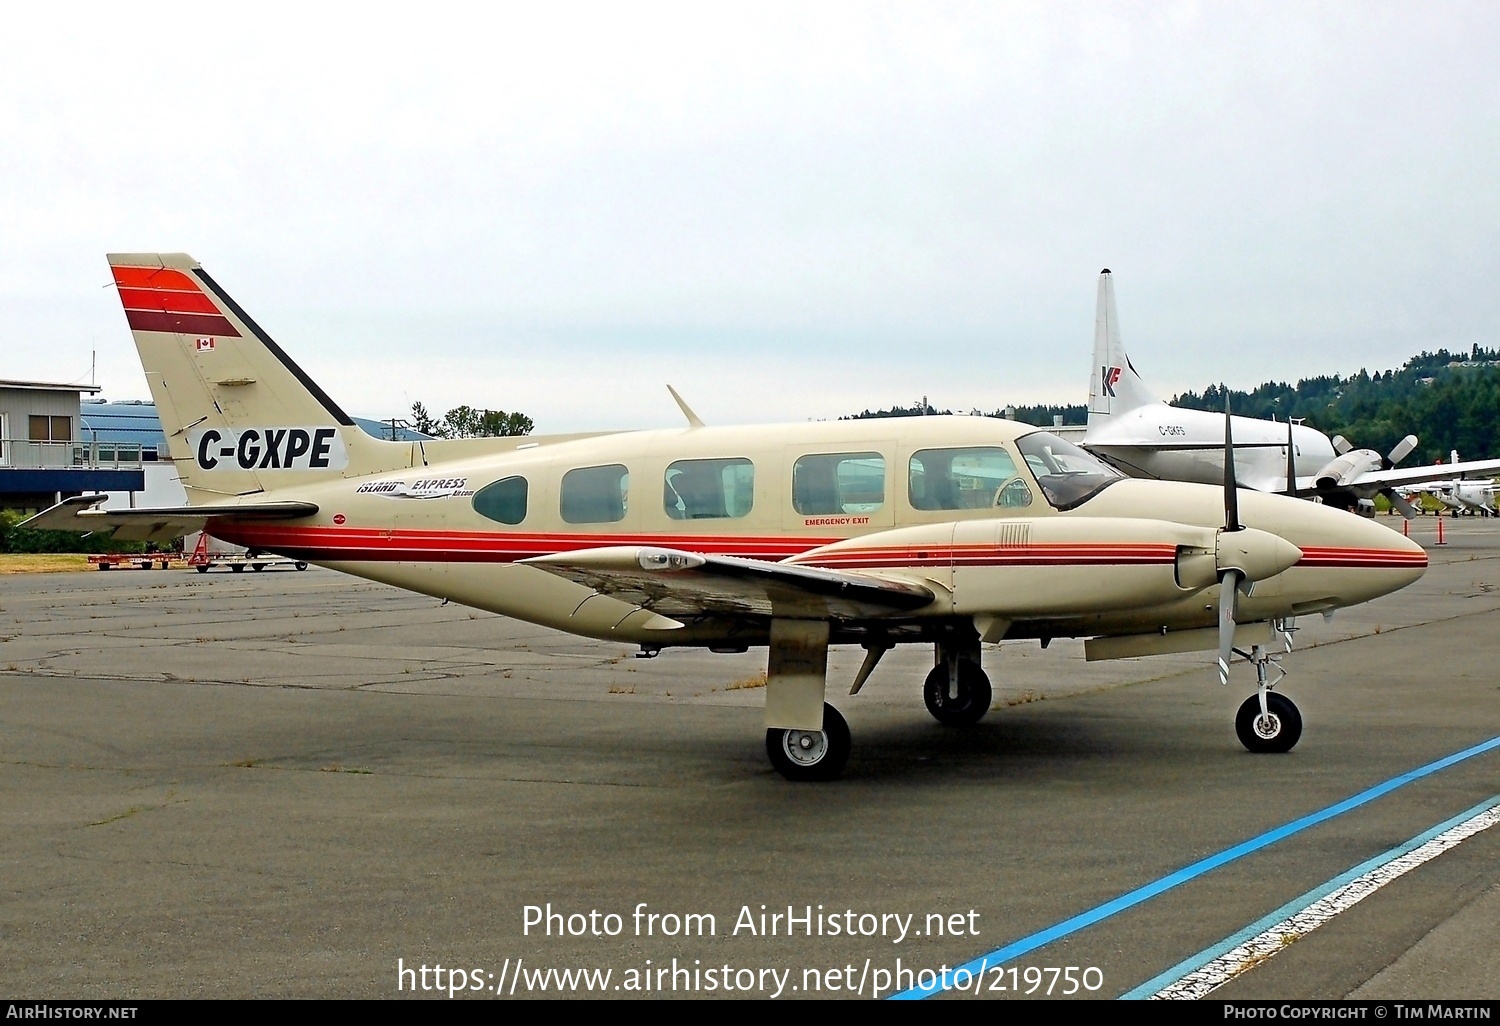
1340	472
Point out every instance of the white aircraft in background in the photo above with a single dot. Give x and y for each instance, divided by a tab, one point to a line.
940	531
1458	494
1135	431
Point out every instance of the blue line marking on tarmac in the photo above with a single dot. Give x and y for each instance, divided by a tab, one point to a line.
1000	956
1296	905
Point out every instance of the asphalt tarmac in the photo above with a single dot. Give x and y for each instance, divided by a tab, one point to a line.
301	785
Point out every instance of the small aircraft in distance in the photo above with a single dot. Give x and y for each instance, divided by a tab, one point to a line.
942	531
1138	433
1460	495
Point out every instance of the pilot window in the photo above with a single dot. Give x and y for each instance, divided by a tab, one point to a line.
595	495
709	489
503	501
839	482
977	477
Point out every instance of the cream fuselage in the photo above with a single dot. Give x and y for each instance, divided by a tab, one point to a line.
417	528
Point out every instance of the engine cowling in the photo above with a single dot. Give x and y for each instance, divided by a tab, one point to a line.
1344	470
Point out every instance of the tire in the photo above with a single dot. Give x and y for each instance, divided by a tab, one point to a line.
201	569
965	708
1281	735
238	568
300	565
811	755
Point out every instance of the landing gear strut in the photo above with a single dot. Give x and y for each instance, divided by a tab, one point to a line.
805	755
1268	722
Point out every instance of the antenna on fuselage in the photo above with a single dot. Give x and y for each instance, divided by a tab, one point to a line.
687	411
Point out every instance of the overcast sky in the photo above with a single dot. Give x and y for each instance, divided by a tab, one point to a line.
788	212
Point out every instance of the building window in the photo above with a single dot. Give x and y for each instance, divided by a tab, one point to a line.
838	482
503	501
709	489
595	495
50	429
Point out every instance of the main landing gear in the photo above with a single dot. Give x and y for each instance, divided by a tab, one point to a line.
809	755
804	747
957	692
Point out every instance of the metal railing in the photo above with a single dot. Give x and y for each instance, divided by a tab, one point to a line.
26	454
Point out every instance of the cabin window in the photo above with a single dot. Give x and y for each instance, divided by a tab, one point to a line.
709	489
977	477
838	482
503	500
595	495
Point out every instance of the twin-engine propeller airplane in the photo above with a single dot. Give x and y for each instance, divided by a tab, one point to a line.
1138	433
946	531
1460	495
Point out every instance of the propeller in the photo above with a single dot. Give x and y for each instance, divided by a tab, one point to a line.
1402	450
1244	555
1229	580
1291	462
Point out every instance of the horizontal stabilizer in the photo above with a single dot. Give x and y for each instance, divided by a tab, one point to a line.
159	523
678	583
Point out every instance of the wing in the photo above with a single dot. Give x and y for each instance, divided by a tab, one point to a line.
1431	472
160	523
677	583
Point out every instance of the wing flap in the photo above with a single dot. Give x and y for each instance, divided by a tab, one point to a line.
677	583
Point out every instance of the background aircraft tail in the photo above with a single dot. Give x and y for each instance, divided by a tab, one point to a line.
240	417
1114	386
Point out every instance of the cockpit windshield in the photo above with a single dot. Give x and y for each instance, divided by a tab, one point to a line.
1069	476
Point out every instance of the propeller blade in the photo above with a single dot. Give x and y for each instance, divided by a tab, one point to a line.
1231	487
1341	444
1402	450
1399	501
1228	588
1291	462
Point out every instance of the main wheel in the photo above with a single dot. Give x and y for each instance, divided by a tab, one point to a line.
970	701
301	565
201	569
1278	731
811	754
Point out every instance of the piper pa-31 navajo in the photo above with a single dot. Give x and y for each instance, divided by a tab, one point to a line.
1138	433
945	531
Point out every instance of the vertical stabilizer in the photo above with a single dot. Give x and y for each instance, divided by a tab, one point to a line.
240	417
1114	386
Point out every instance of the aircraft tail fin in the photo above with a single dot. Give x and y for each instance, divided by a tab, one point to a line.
1114	386
239	415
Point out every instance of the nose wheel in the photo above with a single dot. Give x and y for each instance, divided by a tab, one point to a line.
805	755
957	693
1277	728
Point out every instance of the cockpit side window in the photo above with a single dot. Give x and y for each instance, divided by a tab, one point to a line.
973	477
1069	476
